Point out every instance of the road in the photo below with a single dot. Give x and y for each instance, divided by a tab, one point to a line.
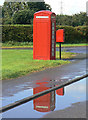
16	89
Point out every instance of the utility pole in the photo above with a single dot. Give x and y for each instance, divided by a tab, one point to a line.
61	8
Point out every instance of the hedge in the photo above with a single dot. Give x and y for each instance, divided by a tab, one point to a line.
24	33
17	33
74	34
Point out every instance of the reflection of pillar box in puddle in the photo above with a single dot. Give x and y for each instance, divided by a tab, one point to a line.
44	35
60	91
46	102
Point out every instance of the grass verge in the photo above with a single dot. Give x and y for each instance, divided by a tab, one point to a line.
30	45
12	44
16	63
72	45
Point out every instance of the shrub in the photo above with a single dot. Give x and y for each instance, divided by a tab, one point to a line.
23	17
24	33
17	33
74	34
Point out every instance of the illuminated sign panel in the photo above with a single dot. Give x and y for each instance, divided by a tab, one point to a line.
42	16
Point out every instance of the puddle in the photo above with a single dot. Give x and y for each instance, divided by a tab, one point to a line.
16	97
30	87
56	100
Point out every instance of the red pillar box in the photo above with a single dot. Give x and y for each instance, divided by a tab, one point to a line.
60	35
44	38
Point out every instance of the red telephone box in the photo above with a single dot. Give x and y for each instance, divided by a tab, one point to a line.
44	35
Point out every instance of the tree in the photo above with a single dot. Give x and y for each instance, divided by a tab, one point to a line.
0	14
8	10
79	19
72	20
37	6
63	20
23	17
12	8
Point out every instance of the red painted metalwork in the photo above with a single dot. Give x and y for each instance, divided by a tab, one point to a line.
60	35
46	102
44	35
60	91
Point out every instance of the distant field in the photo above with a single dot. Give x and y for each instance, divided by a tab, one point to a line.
16	63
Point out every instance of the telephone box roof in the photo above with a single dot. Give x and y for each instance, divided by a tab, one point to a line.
44	11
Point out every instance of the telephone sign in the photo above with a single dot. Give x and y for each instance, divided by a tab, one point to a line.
44	35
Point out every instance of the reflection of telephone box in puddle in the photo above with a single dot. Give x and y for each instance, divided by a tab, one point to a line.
44	35
60	91
46	102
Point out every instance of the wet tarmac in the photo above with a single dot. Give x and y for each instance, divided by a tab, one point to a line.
83	49
25	86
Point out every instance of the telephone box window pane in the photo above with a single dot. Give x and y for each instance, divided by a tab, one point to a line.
52	53
52	41
52	36
53	45
52	49
52	16
52	28
53	24
52	32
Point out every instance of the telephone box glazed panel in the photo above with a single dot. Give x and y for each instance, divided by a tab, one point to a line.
44	29
60	35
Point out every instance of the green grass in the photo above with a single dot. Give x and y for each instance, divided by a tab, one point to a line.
72	45
11	44
16	63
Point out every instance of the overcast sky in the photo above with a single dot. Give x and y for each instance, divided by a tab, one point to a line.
69	6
